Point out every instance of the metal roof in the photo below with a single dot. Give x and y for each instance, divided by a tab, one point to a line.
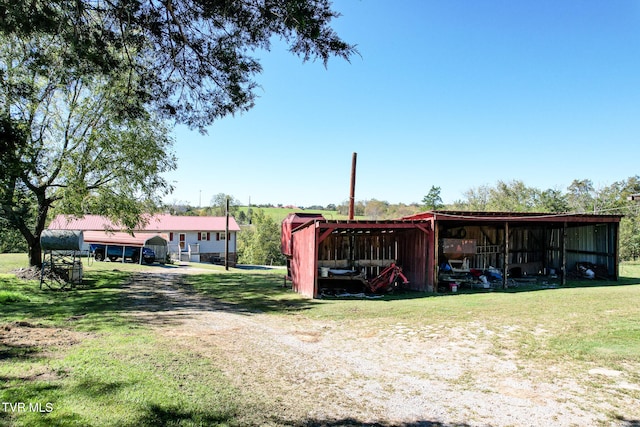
512	216
158	222
121	238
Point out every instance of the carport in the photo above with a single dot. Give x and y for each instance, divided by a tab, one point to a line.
157	242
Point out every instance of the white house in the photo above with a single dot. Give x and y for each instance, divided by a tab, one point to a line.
190	238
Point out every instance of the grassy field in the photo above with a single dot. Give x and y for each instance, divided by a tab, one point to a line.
278	214
105	369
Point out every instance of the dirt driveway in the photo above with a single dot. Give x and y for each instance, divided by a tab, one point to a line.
319	373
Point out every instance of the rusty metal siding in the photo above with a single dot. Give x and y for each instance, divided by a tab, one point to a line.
303	261
414	247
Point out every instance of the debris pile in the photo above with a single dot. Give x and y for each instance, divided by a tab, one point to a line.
27	273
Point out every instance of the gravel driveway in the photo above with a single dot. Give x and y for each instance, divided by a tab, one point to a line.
319	373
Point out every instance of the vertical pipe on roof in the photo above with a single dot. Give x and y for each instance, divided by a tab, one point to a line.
352	192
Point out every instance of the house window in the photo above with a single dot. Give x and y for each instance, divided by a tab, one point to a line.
183	241
204	235
221	236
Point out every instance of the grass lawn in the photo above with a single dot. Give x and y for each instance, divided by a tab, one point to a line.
105	369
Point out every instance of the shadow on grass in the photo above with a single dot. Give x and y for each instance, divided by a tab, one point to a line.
93	306
9	351
96	389
249	293
157	415
354	422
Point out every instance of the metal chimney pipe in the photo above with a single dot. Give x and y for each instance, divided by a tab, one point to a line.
352	194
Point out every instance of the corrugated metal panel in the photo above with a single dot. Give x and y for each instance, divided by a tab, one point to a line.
88	222
120	238
189	223
594	244
161	223
501	217
303	262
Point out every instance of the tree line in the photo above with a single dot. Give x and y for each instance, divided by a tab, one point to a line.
580	197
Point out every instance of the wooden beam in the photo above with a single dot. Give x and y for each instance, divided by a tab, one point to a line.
324	235
505	268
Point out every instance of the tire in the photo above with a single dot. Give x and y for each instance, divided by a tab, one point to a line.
99	256
113	258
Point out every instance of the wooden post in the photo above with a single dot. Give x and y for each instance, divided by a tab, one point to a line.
616	246
505	270
434	256
563	254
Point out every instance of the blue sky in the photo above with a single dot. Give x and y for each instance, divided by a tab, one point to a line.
449	93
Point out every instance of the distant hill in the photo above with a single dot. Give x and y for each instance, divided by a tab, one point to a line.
278	214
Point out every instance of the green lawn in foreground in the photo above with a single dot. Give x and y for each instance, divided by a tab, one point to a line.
117	372
105	369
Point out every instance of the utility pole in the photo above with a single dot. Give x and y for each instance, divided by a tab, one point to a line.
226	241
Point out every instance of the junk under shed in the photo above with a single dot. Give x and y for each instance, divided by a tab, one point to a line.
494	249
335	257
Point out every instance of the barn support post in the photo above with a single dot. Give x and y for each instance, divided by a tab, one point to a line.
434	256
616	248
505	270
563	253
431	259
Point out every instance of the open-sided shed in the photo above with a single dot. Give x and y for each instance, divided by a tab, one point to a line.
335	256
339	255
524	244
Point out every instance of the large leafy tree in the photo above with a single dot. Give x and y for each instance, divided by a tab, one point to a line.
376	209
66	145
219	205
190	60
86	85
260	243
